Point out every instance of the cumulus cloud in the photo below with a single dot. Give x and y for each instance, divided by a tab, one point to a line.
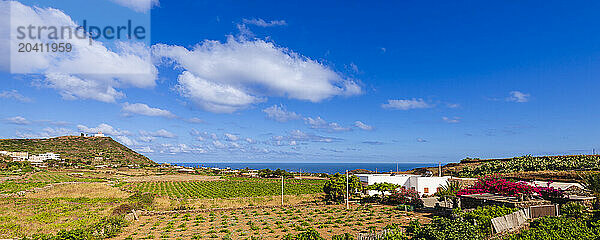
18	120
46	133
280	114
363	126
162	133
262	23
298	136
406	104
517	96
201	136
14	94
104	128
90	70
167	148
321	124
451	120
225	77
195	120
142	6
218	144
143	109
231	137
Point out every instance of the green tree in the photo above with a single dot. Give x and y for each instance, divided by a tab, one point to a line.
335	187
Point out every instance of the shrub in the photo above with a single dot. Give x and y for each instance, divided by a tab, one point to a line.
557	228
482	216
444	229
572	210
307	234
345	236
404	196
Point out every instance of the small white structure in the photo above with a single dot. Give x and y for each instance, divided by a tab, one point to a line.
423	185
99	134
49	156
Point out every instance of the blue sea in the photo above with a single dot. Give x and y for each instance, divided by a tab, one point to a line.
315	167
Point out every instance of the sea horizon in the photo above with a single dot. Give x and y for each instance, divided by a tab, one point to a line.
329	168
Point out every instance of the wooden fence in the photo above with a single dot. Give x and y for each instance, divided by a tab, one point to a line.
515	220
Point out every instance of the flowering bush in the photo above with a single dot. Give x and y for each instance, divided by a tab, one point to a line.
550	192
404	196
494	184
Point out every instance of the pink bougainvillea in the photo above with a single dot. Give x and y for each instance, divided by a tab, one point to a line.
496	185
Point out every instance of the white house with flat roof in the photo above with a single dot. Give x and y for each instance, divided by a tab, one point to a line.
423	185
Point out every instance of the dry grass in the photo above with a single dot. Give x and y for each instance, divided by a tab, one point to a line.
164	204
22	217
80	190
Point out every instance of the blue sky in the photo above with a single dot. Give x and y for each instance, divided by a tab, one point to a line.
271	81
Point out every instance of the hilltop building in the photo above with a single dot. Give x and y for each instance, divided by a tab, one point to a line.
424	185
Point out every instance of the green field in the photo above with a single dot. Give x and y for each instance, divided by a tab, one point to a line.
229	188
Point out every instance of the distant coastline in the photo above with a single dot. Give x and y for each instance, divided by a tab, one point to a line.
315	167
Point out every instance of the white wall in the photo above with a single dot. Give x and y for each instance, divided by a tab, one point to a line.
418	183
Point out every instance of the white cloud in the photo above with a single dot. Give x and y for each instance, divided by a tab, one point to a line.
520	97
280	114
144	149
14	94
218	144
142	6
195	120
168	148
46	133
319	123
262	23
298	136
250	140
406	104
105	129
214	97
225	77
90	70
126	140
231	137
143	109
451	120
162	133
453	105
421	140
363	126
201	136
18	120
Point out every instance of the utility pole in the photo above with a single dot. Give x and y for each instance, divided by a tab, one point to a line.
281	190
347	190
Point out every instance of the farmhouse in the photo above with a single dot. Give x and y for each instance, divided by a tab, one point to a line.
422	184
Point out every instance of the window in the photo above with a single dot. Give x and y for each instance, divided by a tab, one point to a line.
426	190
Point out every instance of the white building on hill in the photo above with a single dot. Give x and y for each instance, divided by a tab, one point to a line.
423	185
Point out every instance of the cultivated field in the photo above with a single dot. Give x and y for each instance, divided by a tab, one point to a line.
268	223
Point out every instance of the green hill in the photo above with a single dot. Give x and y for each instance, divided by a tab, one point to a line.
75	149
